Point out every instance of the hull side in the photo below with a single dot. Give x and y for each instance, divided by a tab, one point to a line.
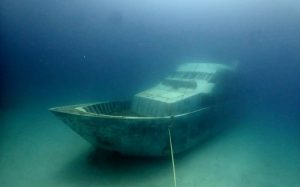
143	136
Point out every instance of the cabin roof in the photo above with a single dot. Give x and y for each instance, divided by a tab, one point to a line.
201	67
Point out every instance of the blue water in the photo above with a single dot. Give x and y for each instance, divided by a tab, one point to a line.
67	52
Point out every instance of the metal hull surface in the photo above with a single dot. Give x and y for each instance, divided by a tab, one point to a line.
140	136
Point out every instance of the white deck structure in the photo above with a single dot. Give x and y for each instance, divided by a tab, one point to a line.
180	92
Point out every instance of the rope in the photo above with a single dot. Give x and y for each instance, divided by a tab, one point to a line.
172	156
170	137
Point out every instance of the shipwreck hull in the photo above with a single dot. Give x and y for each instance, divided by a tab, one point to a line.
110	126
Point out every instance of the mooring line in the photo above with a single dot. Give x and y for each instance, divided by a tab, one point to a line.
172	156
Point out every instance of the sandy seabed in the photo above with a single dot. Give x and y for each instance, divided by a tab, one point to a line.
39	150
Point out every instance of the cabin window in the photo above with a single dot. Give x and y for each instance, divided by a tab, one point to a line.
191	75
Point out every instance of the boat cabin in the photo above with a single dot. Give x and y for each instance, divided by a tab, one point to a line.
181	92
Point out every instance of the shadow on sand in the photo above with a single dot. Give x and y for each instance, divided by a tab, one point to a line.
113	169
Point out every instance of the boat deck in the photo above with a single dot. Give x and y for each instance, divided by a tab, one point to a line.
111	108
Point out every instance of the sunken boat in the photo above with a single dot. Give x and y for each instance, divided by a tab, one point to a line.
185	104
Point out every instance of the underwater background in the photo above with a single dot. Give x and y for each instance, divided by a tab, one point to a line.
56	53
